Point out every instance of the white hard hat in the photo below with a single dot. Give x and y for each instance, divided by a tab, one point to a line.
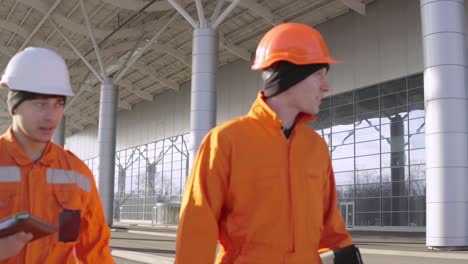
37	70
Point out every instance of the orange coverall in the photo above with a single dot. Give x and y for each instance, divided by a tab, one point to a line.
58	181
266	199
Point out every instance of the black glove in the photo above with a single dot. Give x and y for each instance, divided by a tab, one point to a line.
346	255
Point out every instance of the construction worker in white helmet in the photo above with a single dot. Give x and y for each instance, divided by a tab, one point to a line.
41	178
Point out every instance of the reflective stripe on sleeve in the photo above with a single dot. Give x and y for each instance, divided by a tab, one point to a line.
10	174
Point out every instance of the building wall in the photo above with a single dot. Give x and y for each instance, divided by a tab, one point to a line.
383	45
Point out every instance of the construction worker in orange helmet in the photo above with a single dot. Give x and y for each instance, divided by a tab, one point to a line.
41	178
262	184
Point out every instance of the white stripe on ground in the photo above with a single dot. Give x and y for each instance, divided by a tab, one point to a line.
142	257
413	253
152	233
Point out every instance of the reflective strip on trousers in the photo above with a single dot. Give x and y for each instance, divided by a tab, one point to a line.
68	177
10	174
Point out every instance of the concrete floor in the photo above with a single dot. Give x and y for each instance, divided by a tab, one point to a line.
157	245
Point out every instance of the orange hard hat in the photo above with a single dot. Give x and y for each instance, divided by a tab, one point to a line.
297	43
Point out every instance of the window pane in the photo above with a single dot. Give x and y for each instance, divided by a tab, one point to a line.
343	164
394	144
368	205
418	172
395	204
366	148
320	126
368	176
343	124
345	191
392	189
323	116
367	219
416	95
393	115
418	203
393	100
341	99
417	141
395	174
416	81
344	178
418	188
343	138
367	106
418	156
343	151
393	86
417	218
368	162
342	111
325	103
416	126
366	134
395	219
366	93
368	190
367	120
416	110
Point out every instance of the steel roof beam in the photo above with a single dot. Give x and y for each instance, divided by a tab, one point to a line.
140	93
217	9
98	76
184	13
259	10
39	25
356	5
225	13
236	50
138	53
149	71
78	28
93	39
201	13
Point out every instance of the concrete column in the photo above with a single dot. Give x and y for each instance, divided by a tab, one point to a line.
203	98
106	141
59	134
446	102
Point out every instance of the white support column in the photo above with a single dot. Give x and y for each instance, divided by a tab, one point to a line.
446	103
203	96
59	134
204	68
106	141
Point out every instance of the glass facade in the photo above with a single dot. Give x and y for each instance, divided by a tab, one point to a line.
376	139
149	180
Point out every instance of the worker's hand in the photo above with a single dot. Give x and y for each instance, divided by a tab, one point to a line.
11	245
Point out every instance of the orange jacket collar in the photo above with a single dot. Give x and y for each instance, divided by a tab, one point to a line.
261	110
18	154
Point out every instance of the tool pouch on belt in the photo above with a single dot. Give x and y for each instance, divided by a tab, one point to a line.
69	225
346	255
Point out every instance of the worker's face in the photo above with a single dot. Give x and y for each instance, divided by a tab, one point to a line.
37	119
309	92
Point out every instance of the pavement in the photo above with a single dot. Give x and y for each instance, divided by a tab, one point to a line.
132	244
